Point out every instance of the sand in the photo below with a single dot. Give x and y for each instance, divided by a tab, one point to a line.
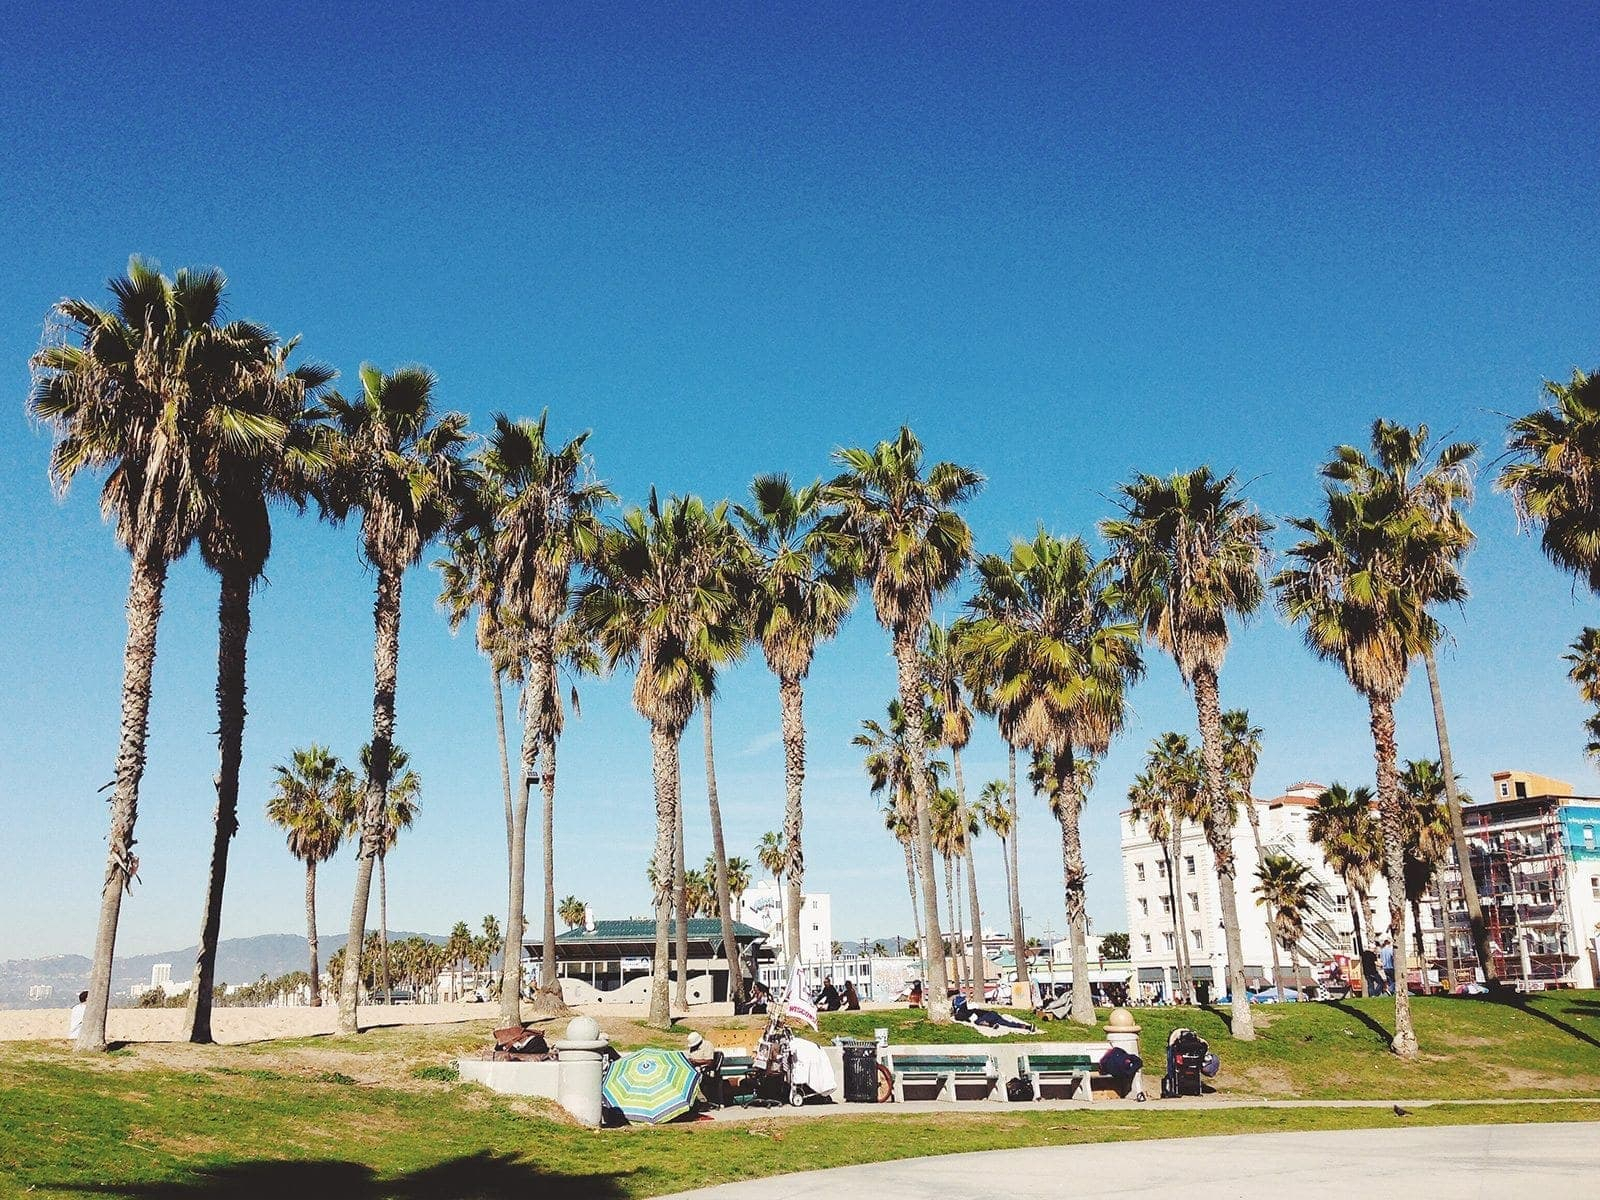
232	1025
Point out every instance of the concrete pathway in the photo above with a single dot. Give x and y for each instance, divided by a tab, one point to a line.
1551	1162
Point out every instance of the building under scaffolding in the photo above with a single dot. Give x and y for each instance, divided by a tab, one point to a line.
1528	859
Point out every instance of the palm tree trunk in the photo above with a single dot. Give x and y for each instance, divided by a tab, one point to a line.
975	975
1277	965
233	634
1073	877
909	672
385	674
719	853
1180	923
138	663
1019	941
548	1000
664	767
1458	834
1389	813
383	928
950	910
791	699
1208	707
505	764
680	902
916	903
1255	836
311	931
1299	987
978	959
535	688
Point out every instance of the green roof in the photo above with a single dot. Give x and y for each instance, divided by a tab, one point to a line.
700	929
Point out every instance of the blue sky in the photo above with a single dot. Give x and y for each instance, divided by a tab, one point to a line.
1063	244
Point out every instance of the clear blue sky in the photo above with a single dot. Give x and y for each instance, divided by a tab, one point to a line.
1063	243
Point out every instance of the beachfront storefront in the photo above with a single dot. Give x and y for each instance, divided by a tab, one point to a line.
608	955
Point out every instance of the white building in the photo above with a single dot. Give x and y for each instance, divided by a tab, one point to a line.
762	907
1149	894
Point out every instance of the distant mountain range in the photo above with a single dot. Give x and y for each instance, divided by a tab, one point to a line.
239	960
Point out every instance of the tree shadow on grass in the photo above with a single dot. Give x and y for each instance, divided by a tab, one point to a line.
1514	999
1367	1019
482	1176
1226	1017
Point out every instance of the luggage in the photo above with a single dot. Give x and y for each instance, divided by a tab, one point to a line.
1186	1056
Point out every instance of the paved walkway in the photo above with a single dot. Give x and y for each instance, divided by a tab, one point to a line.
1552	1162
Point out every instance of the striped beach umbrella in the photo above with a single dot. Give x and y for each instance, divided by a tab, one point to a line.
652	1086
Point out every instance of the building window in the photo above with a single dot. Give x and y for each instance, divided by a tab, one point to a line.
1146	943
1139	868
1188	863
1505	790
1167	940
1341	902
1588	837
1166	904
1594	886
1198	944
1144	907
1194	901
813	928
1161	870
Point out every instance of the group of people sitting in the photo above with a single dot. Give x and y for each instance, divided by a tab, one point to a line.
832	999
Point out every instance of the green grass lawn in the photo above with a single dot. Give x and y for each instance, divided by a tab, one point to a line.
314	1117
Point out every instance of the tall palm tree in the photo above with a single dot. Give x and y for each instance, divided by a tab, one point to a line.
799	597
1554	473
313	801
1343	825
1585	672
951	823
1428	842
1241	752
664	597
897	528
150	391
240	477
401	468
1147	806
1365	574
400	811
1190	554
981	685
572	912
1050	629
994	810
891	762
1435	481
1287	890
1175	771
944	667
536	505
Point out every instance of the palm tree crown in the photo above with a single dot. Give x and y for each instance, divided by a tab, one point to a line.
1555	477
313	801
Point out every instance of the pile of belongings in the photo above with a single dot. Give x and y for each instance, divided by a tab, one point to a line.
518	1043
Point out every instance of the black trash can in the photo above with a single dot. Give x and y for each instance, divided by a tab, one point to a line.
860	1072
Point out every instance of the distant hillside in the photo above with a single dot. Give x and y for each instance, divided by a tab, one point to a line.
239	960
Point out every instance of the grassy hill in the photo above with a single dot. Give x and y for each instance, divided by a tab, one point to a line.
370	1118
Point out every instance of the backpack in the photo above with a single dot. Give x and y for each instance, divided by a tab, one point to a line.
1020	1088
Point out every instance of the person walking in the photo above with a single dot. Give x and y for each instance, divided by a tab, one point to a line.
1386	955
75	1021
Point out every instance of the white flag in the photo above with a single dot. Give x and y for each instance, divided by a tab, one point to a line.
797	1002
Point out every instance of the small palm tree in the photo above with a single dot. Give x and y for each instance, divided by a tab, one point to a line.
663	599
772	856
1556	460
399	813
401	469
798	598
943	665
1585	672
1288	891
1049	628
152	391
1428	842
573	912
1190	554
491	933
1343	825
313	801
897	528
994	810
739	879
1365	574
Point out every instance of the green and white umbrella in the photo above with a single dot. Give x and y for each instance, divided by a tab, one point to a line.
652	1085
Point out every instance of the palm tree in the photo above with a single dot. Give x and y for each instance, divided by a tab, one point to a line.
739	879
897	529
572	912
891	762
1241	752
457	949
944	667
981	685
772	856
1364	578
536	506
1050	629
994	810
949	842
1556	453
1343	825
151	391
799	597
1428	843
491	935
1175	772
399	813
664	598
1287	890
1434	489
313	801
1585	672
1190	552
401	468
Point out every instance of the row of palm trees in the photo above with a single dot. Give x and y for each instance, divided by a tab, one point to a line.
199	424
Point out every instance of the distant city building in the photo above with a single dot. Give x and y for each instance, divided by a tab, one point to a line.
40	991
762	907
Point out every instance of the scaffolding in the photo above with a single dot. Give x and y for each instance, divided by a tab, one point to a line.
1519	865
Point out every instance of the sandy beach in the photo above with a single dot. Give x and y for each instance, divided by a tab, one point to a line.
232	1025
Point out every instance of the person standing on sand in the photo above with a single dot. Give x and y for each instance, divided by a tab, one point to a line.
75	1021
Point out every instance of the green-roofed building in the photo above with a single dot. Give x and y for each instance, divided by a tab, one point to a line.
608	954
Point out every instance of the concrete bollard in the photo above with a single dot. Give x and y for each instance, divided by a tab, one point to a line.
582	1055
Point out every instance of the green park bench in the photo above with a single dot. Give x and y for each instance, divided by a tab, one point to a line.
945	1070
1075	1071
